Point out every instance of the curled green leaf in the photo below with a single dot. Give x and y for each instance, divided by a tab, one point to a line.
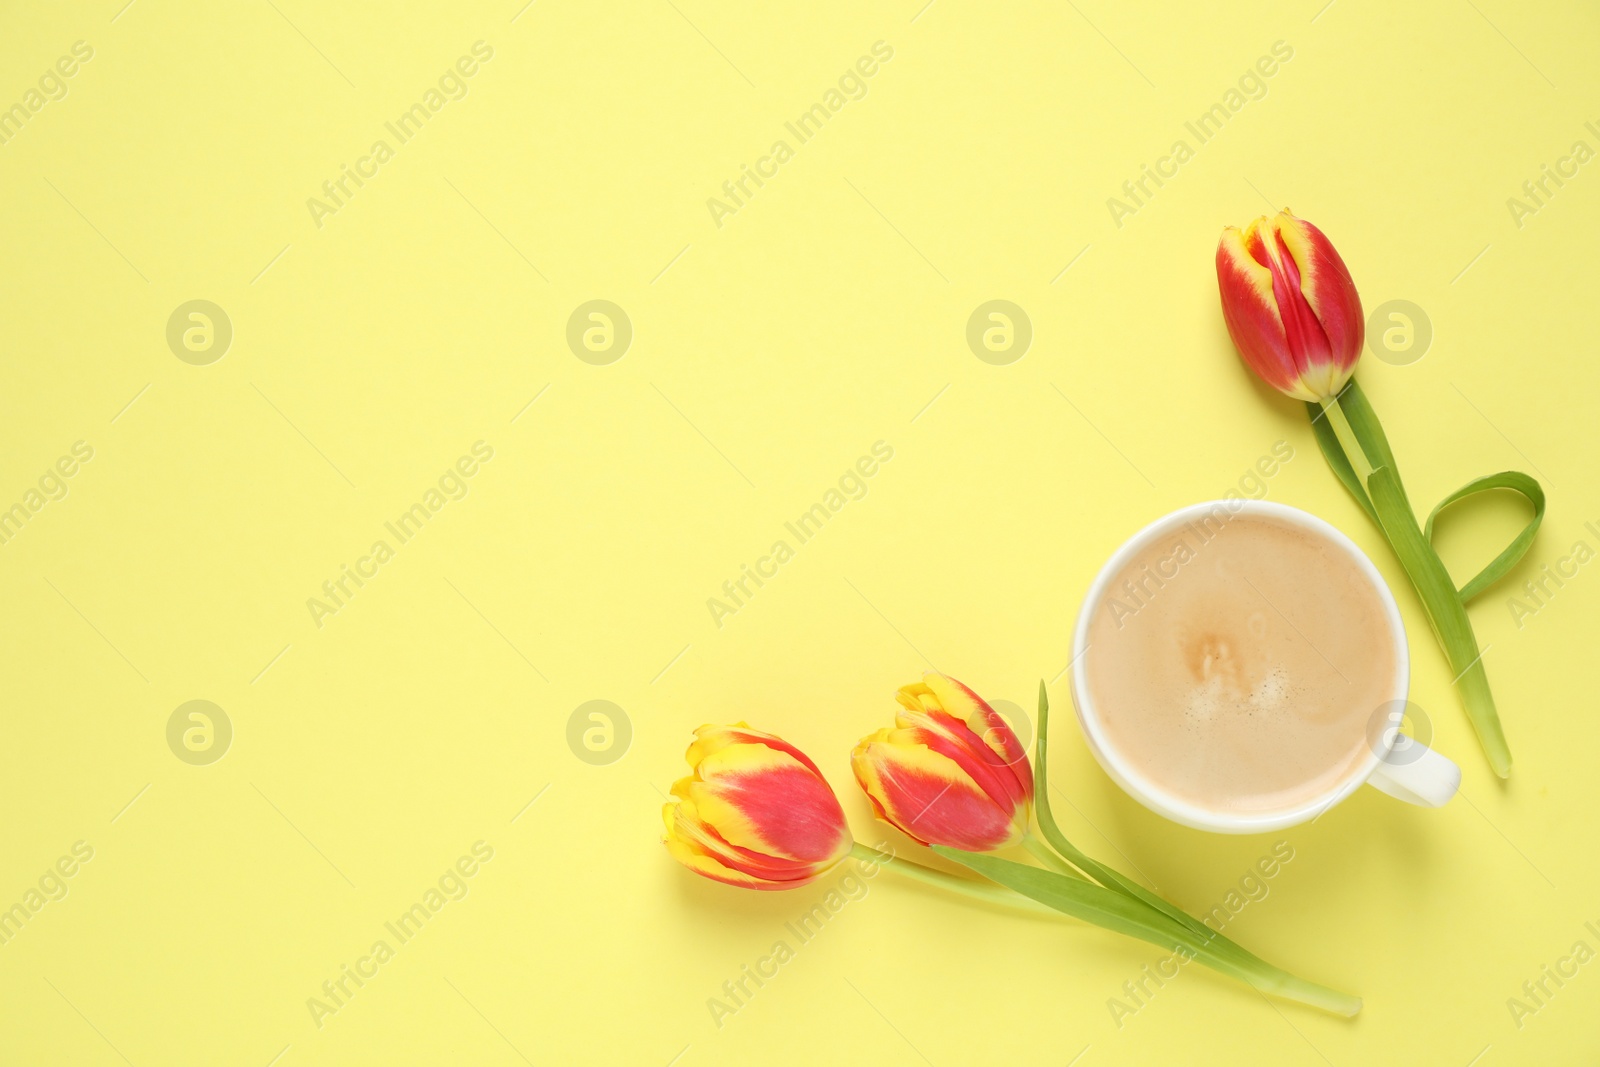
1498	567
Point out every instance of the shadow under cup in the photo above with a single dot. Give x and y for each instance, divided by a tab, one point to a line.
1231	658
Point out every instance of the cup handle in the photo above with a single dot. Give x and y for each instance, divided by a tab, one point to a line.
1416	774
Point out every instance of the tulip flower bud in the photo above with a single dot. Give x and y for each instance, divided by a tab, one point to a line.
755	813
1290	305
951	772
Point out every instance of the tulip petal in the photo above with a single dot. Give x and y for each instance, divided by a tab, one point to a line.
1290	305
1308	344
988	725
929	796
767	800
710	739
1331	294
950	718
690	827
949	737
712	868
755	813
1251	311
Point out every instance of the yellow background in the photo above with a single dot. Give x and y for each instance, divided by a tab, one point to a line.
768	354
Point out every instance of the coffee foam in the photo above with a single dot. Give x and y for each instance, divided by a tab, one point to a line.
1234	665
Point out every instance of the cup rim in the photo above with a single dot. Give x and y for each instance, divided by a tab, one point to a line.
1152	795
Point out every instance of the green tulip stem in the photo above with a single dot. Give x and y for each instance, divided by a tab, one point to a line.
1360	438
1347	438
1041	852
987	892
1120	904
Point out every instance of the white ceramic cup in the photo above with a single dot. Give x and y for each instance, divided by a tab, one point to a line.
1396	764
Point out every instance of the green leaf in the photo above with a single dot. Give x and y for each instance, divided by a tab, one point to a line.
1107	876
1328	441
1121	914
1444	606
1446	613
1080	899
1058	841
1513	553
1369	431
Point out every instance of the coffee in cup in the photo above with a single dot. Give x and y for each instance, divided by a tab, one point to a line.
1229	665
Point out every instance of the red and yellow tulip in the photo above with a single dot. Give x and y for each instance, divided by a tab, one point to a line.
1295	317
1290	305
755	812
950	772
